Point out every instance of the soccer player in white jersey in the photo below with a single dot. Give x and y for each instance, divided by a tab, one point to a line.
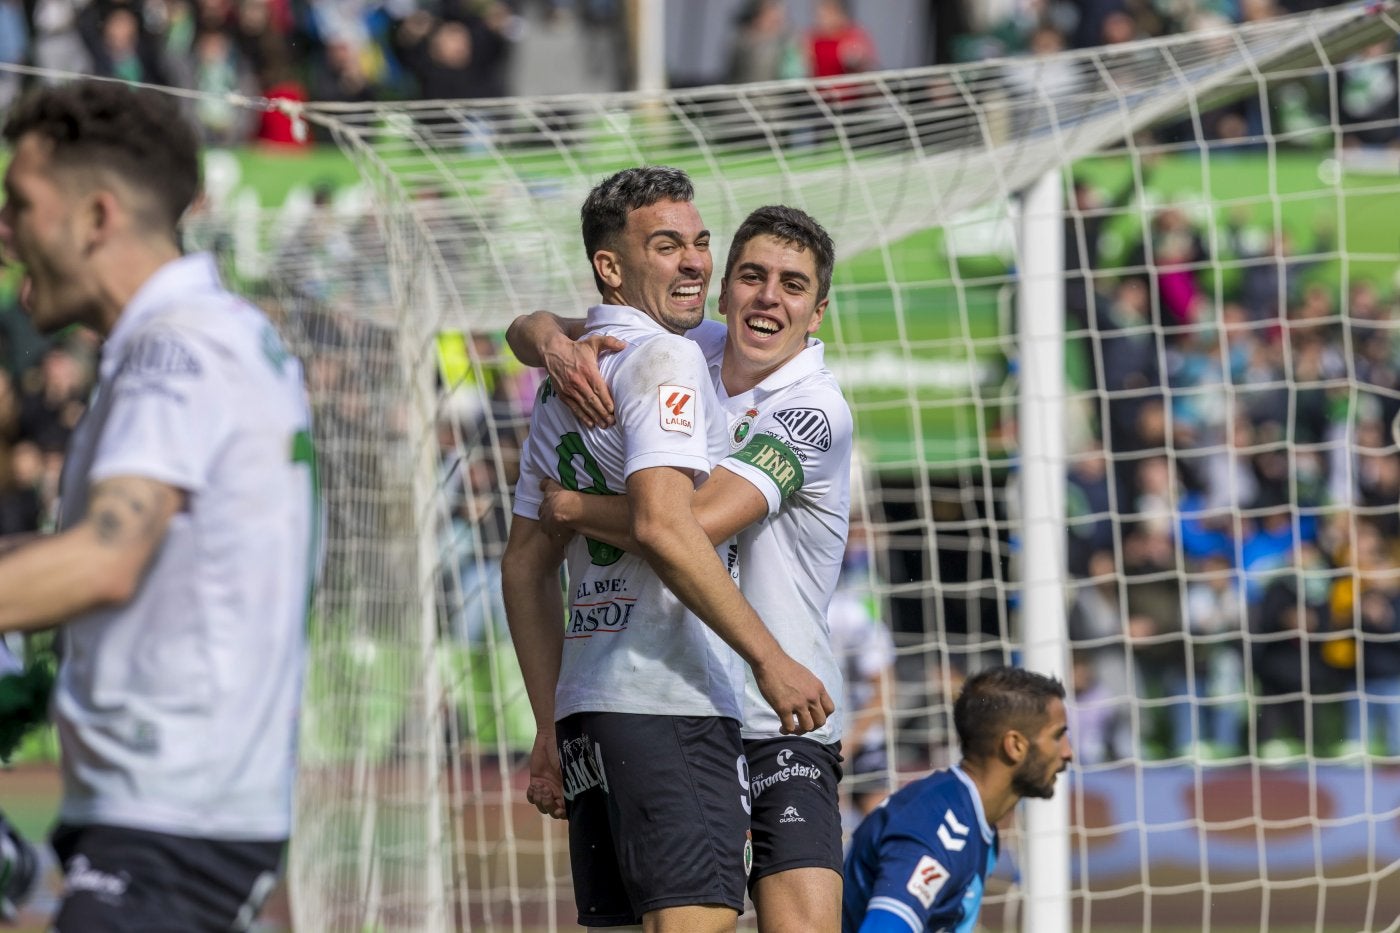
181	567
784	489
638	692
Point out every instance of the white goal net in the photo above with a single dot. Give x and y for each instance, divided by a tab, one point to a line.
1230	553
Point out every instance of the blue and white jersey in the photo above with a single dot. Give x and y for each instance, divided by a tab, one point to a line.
920	862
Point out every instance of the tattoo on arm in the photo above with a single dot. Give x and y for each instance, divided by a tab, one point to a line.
126	511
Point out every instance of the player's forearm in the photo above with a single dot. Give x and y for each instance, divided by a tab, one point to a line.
604	518
678	550
55	578
11	542
530	336
534	614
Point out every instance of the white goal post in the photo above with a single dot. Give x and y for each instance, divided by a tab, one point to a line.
1113	325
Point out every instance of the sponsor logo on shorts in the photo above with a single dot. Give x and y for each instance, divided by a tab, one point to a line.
581	763
81	876
677	408
790	815
748	852
787	770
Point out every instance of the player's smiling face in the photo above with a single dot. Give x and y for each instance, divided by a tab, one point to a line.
665	263
39	228
769	299
1049	754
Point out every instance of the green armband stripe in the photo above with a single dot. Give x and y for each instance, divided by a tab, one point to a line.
775	460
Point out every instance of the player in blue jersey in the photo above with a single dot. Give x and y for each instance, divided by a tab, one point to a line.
920	862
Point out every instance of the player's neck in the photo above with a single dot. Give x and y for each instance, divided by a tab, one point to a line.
993	787
120	273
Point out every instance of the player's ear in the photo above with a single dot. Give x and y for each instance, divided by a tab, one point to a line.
817	316
98	214
723	297
609	269
1014	746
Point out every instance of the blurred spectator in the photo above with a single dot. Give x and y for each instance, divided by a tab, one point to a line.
120	46
838	45
1097	641
457	58
1369	100
1288	625
57	44
14	47
1365	602
1216	615
219	72
764	48
862	644
1154	614
1096	716
344	78
280	127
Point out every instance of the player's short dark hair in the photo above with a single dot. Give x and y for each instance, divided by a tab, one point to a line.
604	213
998	699
791	226
139	135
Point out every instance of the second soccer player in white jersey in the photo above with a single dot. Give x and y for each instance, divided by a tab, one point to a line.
784	488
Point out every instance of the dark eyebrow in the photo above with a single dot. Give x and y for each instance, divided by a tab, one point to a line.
784	274
676	235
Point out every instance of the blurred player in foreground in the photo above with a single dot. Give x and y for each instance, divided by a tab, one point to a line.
181	567
920	861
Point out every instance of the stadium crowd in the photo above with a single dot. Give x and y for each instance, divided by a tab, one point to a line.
356	51
1237	418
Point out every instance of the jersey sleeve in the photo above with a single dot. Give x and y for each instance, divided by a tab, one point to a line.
801	448
664	403
528	495
919	883
170	411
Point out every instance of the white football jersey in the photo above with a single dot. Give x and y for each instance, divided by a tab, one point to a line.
177	711
629	645
791	436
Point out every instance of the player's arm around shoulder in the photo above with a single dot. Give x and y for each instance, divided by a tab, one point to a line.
98	562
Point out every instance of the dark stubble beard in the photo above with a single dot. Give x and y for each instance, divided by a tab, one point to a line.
1030	779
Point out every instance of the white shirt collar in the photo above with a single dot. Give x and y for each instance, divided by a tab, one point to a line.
976	802
184	276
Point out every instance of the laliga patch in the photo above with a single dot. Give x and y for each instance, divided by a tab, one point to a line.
806	426
678	405
927	880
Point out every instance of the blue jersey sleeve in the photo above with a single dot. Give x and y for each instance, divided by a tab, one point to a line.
919	887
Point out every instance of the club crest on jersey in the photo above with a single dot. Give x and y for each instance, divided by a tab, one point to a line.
677	405
742	429
806	426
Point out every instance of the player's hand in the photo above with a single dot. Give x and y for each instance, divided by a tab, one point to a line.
573	369
796	695
546	790
558	510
